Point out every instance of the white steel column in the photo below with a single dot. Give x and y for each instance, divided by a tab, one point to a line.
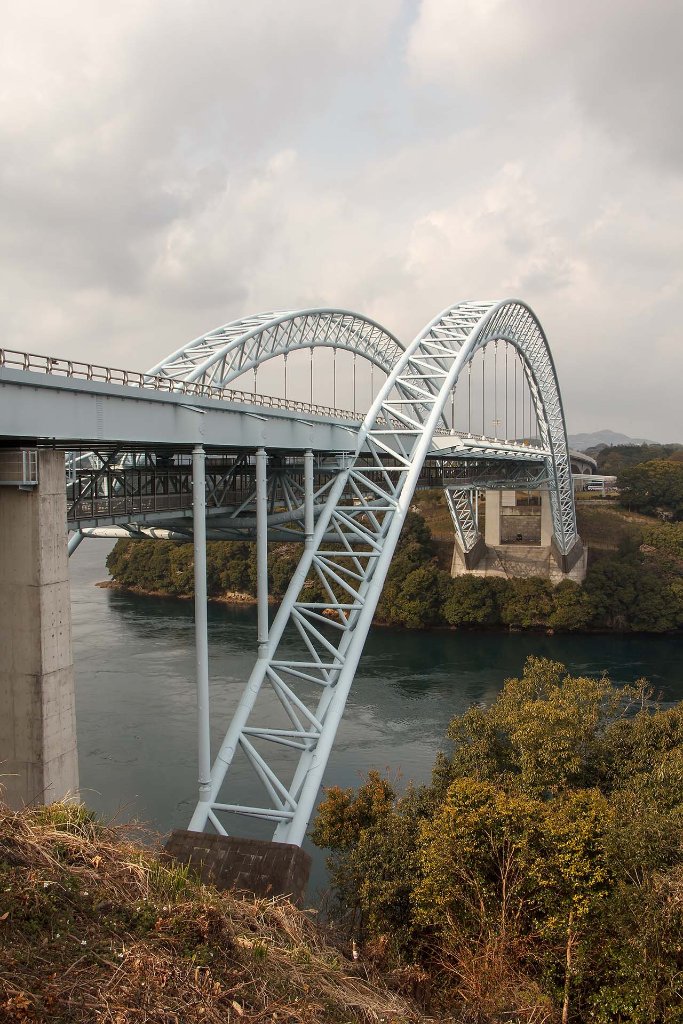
201	626
74	540
262	550
309	521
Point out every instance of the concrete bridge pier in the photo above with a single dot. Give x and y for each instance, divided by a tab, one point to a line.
38	753
518	541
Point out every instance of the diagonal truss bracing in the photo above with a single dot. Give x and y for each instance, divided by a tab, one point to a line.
314	646
461	506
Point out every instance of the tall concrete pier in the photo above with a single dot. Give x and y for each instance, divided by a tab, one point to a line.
38	754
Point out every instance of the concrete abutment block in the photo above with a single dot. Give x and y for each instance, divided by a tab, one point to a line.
254	866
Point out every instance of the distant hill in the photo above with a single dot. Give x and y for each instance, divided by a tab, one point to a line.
613	458
582	442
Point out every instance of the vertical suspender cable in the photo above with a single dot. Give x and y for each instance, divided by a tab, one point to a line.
495	389
354	383
311	375
523	397
507	429
483	391
469	398
334	378
515	394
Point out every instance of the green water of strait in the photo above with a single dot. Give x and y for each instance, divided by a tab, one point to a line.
136	705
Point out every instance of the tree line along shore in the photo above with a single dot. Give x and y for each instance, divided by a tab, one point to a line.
634	581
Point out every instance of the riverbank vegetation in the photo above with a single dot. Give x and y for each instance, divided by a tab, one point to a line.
654	488
539	877
634	581
95	928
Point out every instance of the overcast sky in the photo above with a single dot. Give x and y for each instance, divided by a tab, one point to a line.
170	165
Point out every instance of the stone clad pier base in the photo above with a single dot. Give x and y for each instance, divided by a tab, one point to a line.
38	753
253	866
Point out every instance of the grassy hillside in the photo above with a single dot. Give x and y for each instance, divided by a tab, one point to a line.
94	928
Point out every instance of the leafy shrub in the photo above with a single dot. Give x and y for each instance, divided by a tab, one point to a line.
542	870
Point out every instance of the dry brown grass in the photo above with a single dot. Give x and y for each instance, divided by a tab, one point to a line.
604	527
95	929
489	983
431	504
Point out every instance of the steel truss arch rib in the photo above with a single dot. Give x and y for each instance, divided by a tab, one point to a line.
365	511
226	353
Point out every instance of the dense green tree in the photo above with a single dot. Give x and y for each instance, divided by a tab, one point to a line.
666	538
612	459
527	604
473	601
639	589
572	607
420	597
630	595
541	874
653	488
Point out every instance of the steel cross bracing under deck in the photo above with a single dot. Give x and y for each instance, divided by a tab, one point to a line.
461	490
350	552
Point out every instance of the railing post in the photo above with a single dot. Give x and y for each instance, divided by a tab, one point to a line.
262	551
309	521
200	620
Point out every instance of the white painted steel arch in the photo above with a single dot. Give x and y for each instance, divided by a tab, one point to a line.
364	513
224	354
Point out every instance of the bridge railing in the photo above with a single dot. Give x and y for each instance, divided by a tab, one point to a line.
132	378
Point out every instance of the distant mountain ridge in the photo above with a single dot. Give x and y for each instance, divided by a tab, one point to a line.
581	442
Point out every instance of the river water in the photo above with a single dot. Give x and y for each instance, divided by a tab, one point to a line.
135	694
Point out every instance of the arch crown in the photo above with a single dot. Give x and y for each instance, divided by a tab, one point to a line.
226	353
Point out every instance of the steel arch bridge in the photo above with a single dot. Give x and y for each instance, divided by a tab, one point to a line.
309	656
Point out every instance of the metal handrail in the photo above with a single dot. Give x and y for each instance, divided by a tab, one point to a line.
132	378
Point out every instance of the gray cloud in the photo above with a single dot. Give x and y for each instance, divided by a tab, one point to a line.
168	166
